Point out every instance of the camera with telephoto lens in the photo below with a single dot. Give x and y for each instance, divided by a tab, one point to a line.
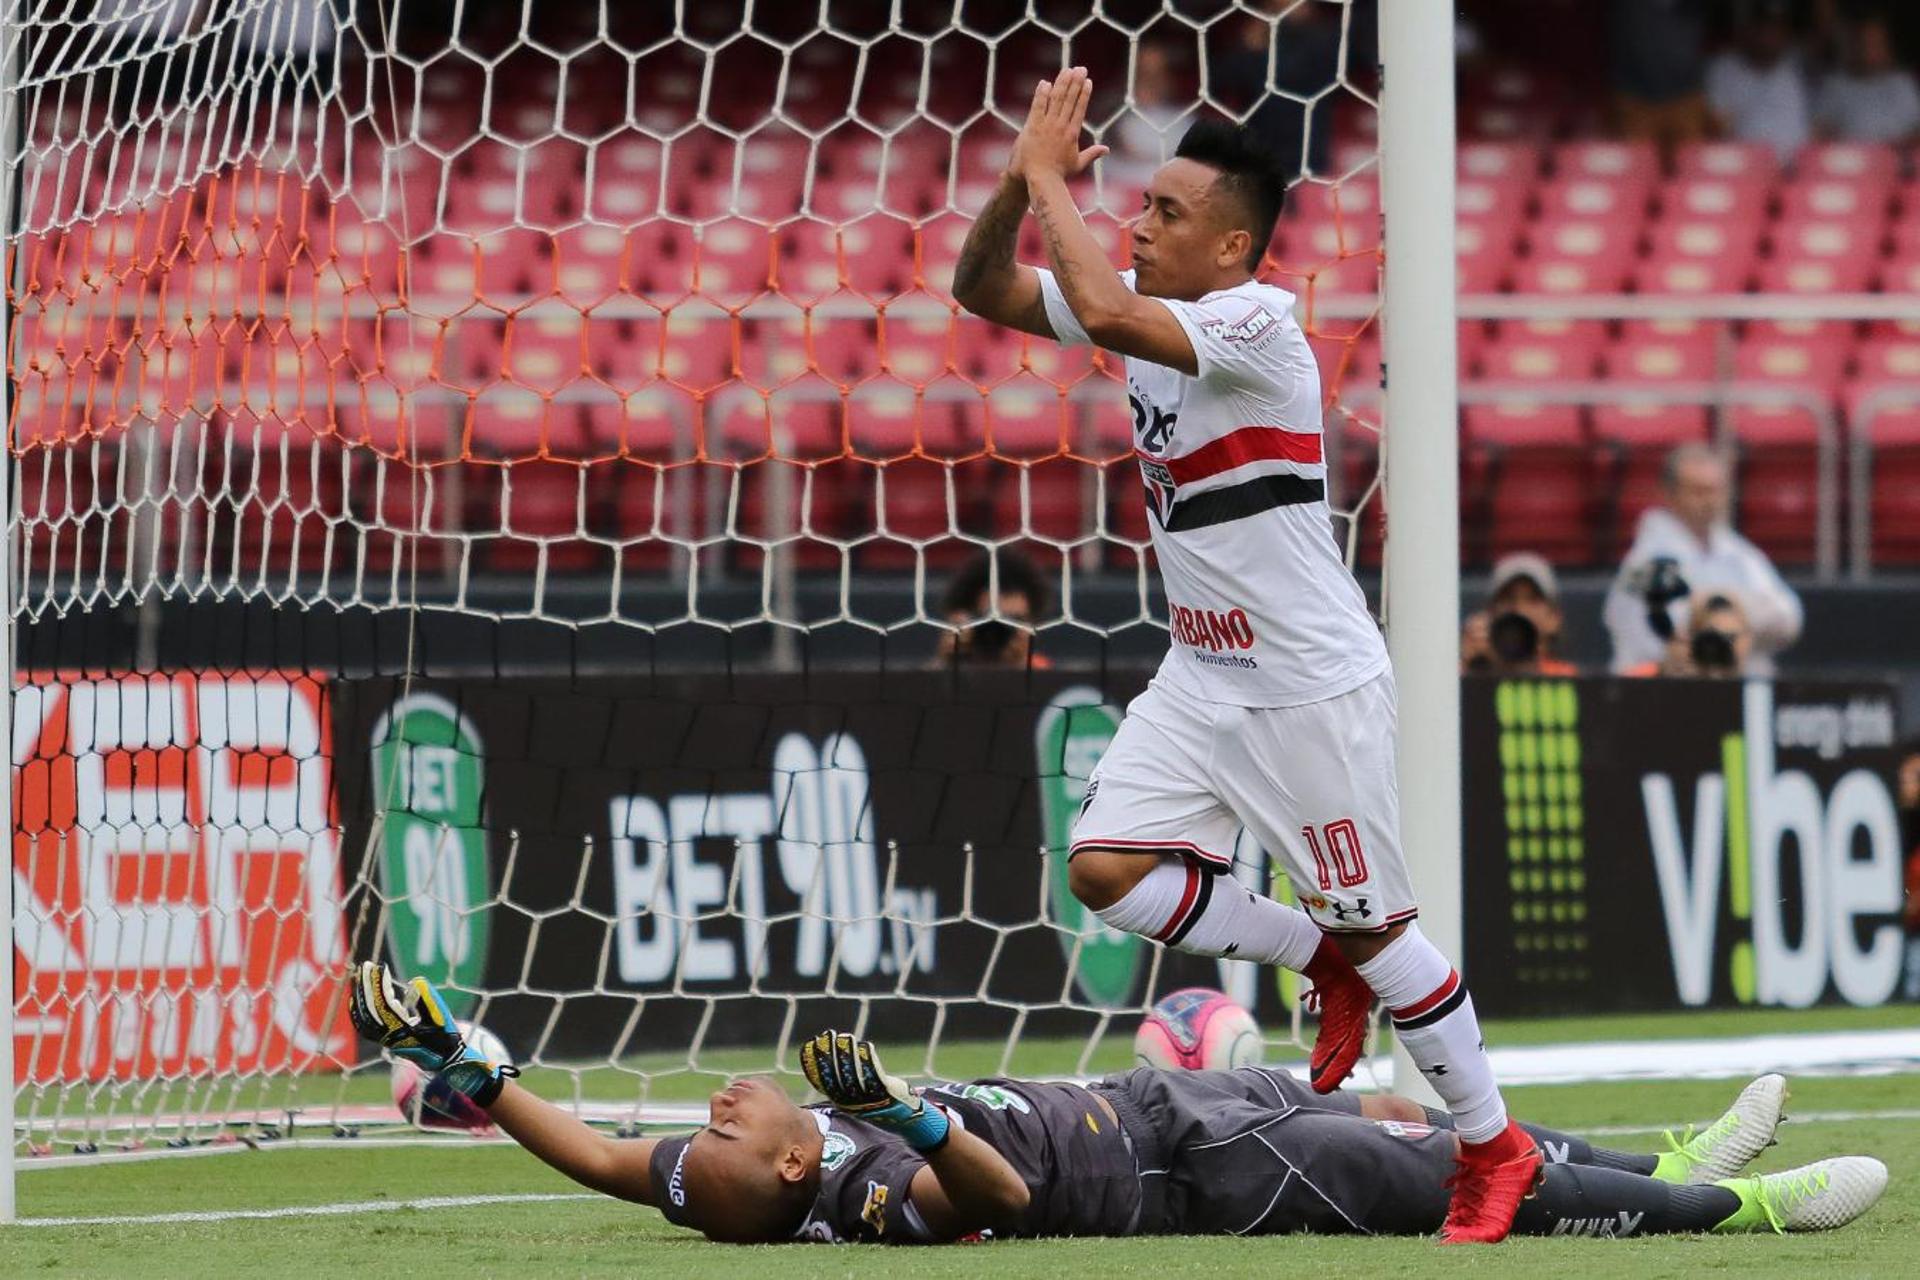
1513	638
988	638
1712	649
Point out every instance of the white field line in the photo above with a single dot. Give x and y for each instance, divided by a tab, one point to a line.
301	1211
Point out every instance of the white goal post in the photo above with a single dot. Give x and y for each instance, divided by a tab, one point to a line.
1422	590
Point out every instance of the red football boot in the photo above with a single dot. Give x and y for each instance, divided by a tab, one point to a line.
1488	1185
1345	1001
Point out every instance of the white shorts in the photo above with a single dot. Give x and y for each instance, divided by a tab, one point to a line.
1314	784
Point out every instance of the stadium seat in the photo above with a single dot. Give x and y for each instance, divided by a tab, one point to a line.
1693	255
1736	200
1840	199
1541	351
1848	161
1813	362
1498	199
1779	477
1821	256
1487	159
1740	160
1636	163
1582	197
1892	441
1646	354
1576	256
1485	253
1888	358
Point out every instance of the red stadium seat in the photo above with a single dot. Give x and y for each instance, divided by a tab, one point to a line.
1821	257
1523	423
1576	256
1892	438
1842	199
1647	355
1693	255
1890	358
1541	351
1498	199
1485	249
1624	162
1715	199
1485	159
1814	363
1594	198
1849	161
1744	160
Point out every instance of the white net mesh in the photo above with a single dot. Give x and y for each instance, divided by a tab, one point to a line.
370	363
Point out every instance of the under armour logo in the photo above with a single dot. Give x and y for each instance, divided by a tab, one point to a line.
1357	910
1437	1069
1231	948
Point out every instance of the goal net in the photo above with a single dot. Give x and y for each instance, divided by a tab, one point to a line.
484	480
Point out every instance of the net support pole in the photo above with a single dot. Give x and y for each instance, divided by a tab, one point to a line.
1420	466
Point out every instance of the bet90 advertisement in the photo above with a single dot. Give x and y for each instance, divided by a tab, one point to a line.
1676	844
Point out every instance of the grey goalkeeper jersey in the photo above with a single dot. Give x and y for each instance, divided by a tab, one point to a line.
1077	1163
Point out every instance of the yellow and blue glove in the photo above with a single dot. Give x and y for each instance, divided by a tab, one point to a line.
413	1022
847	1072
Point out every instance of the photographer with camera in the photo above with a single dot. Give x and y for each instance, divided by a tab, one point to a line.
1688	547
992	628
1518	632
1715	642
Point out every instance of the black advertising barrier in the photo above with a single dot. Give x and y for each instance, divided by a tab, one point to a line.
749	853
1653	844
574	844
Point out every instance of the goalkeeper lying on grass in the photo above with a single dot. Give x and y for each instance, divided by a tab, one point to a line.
1142	1152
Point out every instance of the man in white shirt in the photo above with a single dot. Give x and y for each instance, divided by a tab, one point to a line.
1756	89
1874	99
1693	532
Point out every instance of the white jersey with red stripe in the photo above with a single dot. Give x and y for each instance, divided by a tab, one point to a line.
1262	609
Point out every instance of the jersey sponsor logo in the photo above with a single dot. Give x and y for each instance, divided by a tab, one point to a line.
837	1150
676	1185
1152	426
1159	483
874	1211
990	1096
1617	1227
1407	1129
1251	329
1211	629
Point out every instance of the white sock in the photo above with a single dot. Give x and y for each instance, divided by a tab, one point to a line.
1210	913
1433	1016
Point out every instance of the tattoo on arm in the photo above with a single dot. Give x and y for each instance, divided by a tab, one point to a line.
991	241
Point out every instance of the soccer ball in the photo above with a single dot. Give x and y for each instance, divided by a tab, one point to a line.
428	1101
1198	1029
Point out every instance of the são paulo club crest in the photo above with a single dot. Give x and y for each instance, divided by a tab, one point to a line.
1159	485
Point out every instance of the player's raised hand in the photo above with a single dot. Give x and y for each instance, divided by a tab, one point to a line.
1050	140
847	1072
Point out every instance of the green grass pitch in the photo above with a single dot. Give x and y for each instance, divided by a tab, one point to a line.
1879	1115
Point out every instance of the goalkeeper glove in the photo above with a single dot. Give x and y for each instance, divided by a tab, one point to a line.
414	1022
848	1073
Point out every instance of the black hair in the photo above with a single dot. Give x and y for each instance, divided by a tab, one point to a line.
972	579
1248	171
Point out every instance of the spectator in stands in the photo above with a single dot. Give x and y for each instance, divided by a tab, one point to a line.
1518	632
1689	545
1144	135
1757	89
1293	109
1658	56
989	628
1909	800
1871	99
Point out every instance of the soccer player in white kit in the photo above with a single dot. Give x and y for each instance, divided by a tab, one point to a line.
1274	708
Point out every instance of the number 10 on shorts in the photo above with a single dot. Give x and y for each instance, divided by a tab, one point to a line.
1343	842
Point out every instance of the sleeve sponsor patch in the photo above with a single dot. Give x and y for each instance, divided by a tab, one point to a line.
1252	329
874	1212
